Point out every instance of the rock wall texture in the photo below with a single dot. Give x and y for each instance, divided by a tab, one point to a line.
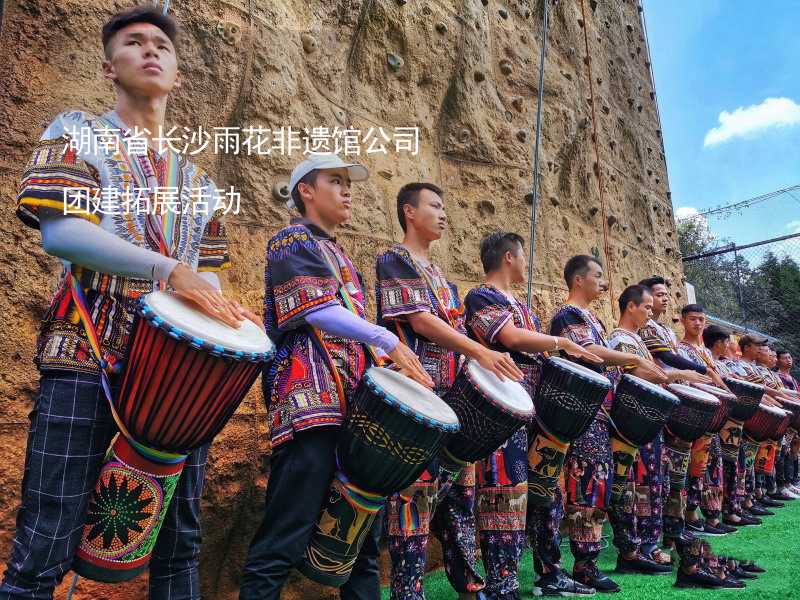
465	72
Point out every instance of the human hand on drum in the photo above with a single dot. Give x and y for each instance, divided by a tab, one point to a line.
209	299
688	375
647	369
407	362
499	363
578	351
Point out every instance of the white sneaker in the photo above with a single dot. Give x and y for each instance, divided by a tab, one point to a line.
795	488
789	492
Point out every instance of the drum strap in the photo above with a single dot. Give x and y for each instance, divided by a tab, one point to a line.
549	434
616	429
110	366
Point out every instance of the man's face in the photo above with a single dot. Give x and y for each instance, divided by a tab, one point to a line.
693	323
329	195
518	264
592	283
784	361
142	61
660	298
428	218
642	313
720	347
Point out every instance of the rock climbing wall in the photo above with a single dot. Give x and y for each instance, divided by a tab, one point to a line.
464	71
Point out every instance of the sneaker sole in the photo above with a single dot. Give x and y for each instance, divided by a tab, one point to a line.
634	572
540	593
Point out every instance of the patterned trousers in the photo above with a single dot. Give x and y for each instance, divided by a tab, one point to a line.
71	429
587	481
637	519
452	519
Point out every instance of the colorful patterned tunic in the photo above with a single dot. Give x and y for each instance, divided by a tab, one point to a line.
301	388
658	337
52	179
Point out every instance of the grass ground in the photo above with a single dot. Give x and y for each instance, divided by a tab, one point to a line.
775	545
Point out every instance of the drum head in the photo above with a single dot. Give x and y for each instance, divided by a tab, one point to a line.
652	388
773	411
412	396
568	365
508	394
182	314
715	391
684	391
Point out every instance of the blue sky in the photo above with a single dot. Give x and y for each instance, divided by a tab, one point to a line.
712	57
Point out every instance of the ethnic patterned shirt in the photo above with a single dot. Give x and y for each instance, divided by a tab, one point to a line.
314	373
699	355
630	342
488	310
658	337
789	382
404	286
58	167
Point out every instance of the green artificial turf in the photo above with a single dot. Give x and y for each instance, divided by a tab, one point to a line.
775	545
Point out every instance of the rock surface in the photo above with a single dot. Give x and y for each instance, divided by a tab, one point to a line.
465	72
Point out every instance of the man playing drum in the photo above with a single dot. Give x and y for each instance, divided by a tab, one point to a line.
314	310
112	257
416	299
497	319
587	468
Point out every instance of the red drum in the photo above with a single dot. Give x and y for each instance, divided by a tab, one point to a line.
726	403
792	407
769	423
185	375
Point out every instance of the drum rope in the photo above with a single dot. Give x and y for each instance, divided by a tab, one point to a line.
550	435
598	170
617	431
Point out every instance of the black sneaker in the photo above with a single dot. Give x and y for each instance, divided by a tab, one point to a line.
697	527
759	511
558	583
770	502
751	567
699	579
748	516
641	565
726	528
712	530
592	577
780	497
742	522
740	573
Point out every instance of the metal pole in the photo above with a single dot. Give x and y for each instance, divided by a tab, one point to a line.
739	287
535	190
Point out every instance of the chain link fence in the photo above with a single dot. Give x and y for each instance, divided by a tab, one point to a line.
752	288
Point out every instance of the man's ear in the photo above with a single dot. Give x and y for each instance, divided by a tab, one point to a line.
108	70
408	211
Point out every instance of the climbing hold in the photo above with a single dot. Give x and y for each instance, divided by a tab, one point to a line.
231	33
340	116
522	135
503	13
309	43
529	198
509	116
386	174
505	67
441	27
402	2
486	208
606	109
479	76
629	27
395	62
464	135
611	220
593	211
565	223
485	2
517	103
280	191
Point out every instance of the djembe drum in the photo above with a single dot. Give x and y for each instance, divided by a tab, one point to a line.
566	402
637	415
394	427
748	397
489	411
701	446
764	430
793	407
689	421
185	375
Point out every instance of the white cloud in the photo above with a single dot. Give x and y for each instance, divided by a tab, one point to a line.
685	212
793	226
747	120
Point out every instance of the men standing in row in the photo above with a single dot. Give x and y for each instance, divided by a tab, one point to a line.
416	300
496	318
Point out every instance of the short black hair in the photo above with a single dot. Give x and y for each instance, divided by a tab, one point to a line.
690	308
309	178
578	265
140	14
409	194
713	334
653	281
494	247
632	293
781	351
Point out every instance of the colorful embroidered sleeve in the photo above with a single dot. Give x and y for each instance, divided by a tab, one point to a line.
213	254
57	181
400	289
301	279
568	323
487	312
653	339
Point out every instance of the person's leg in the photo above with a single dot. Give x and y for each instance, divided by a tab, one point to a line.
650	493
456	528
364	582
711	501
174	573
544	523
71	428
301	471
